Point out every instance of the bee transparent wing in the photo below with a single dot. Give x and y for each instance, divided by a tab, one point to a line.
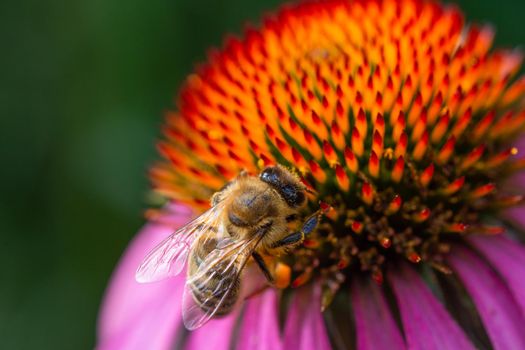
208	291
169	257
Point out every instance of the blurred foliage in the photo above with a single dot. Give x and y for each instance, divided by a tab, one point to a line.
83	88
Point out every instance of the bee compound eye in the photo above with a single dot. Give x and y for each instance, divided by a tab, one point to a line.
289	191
270	175
300	198
293	196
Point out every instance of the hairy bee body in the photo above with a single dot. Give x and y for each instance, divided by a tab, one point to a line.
257	208
253	218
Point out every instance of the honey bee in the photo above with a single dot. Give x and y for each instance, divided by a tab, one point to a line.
249	218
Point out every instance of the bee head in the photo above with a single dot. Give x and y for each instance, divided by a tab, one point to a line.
288	185
249	208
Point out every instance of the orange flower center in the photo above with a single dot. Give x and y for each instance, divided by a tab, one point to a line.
394	112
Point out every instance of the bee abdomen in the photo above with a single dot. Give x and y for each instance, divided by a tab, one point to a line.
215	285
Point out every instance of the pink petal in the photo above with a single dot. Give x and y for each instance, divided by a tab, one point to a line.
154	329
375	326
214	335
260	325
305	329
508	258
139	316
496	306
426	322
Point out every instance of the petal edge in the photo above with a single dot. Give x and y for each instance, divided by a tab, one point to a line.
427	325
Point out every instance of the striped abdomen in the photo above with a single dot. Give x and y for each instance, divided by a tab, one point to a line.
211	285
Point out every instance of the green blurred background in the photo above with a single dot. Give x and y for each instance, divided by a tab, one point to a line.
83	88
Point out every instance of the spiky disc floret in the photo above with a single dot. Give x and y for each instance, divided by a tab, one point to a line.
397	114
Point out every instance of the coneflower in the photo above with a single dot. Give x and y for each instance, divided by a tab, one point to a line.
401	118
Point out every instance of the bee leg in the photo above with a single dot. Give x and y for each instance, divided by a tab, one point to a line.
310	224
262	265
308	227
291	239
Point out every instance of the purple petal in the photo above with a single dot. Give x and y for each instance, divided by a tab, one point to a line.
496	306
426	323
260	327
139	316
305	329
216	334
375	326
508	258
